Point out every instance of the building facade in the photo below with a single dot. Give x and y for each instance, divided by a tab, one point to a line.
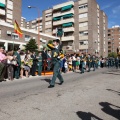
85	26
114	39
10	10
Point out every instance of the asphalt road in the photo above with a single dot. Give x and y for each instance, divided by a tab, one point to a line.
89	96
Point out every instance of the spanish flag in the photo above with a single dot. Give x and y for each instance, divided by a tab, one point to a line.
17	29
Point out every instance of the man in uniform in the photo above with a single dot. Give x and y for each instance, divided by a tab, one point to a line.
40	64
17	68
89	62
93	62
82	58
56	56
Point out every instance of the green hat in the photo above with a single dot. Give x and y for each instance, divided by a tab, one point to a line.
56	40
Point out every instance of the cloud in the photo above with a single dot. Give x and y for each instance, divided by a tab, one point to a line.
116	10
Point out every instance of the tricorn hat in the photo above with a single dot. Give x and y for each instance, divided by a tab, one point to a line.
56	40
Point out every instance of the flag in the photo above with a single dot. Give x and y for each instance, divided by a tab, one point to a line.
17	29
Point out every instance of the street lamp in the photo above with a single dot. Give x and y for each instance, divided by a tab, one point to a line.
38	24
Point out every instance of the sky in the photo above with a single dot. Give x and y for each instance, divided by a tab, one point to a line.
110	7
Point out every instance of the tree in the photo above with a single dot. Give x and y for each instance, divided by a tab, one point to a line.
112	54
31	45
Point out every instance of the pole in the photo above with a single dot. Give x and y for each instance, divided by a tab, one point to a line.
13	37
38	29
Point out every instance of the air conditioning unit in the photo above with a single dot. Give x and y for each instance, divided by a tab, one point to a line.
9	32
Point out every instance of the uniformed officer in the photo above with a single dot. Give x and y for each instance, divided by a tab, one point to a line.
56	56
89	62
82	58
93	62
39	64
17	68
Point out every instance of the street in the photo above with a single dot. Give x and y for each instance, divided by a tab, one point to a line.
89	96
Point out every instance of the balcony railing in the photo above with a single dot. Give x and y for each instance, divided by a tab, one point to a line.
83	37
67	38
81	47
63	21
61	14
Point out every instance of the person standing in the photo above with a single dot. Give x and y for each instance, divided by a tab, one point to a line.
40	64
3	60
89	62
82	59
56	62
17	67
93	62
34	66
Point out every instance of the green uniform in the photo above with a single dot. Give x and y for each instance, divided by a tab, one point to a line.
39	65
56	70
82	64
17	68
93	63
89	63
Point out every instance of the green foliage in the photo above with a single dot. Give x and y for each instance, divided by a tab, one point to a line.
31	46
112	54
50	42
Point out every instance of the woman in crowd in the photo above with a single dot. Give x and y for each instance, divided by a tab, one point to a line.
10	65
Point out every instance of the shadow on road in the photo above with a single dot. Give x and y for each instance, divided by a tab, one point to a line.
108	109
113	91
87	116
47	80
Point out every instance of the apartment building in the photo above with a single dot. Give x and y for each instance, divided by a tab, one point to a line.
10	10
83	23
114	39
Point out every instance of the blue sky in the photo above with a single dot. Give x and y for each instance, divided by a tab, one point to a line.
111	8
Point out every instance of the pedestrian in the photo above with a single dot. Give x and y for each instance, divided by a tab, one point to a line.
34	66
56	62
3	62
17	67
39	64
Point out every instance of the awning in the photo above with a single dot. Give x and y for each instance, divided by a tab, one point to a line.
56	18
68	15
2	5
66	7
67	24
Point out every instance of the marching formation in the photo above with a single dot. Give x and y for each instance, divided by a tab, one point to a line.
19	64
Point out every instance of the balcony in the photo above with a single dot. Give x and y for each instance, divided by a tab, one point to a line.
83	19
67	38
83	28
63	21
83	2
48	19
81	47
69	29
62	5
61	14
2	12
83	37
83	10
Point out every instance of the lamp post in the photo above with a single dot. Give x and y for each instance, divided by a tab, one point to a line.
38	42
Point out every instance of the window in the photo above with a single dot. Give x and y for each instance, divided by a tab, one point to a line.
27	37
84	33
83	15
109	30
83	6
15	36
85	42
109	34
83	24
